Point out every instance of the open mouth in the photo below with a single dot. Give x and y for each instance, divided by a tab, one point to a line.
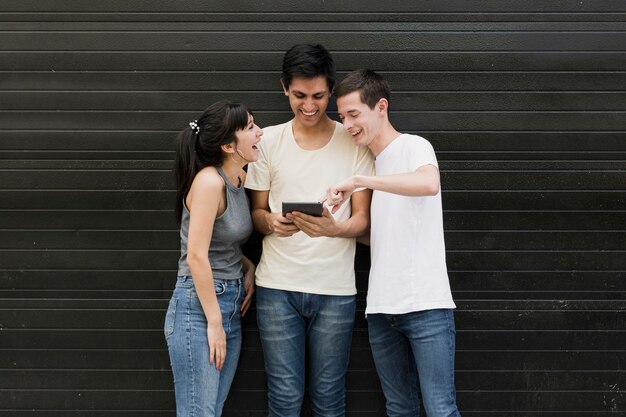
309	113
356	132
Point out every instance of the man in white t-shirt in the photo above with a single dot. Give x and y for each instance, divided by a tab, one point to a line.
409	304
305	296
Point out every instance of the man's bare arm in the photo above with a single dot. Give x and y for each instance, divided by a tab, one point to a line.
267	222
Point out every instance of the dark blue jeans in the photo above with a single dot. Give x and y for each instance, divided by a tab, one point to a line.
294	326
407	345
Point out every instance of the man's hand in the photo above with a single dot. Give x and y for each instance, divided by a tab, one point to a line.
339	193
315	226
282	226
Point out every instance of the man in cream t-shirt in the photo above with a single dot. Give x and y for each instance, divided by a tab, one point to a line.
320	265
306	290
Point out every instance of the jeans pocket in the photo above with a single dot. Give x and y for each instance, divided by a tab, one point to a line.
220	287
170	318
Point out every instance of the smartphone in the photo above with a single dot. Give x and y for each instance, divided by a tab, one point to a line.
313	209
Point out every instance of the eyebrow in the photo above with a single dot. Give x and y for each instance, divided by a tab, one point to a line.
313	94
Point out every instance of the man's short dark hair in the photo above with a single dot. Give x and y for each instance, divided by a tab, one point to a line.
370	85
308	61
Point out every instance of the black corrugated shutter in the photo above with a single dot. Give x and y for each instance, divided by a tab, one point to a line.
524	102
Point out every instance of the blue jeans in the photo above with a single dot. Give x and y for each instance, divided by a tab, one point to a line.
294	326
200	388
412	345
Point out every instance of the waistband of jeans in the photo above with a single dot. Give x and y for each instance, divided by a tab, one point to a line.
187	281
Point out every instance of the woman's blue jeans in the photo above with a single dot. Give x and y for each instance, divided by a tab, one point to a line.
295	327
200	388
407	346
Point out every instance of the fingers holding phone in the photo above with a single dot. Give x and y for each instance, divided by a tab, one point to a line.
282	226
315	226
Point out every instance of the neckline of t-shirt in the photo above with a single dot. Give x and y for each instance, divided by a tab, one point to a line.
293	138
390	145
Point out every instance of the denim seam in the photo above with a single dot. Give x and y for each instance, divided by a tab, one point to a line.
189	349
412	391
450	350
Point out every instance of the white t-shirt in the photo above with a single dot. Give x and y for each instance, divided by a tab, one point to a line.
323	265
408	271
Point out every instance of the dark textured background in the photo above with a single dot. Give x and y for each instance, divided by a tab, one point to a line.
524	102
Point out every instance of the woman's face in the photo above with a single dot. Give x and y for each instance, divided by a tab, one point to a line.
247	140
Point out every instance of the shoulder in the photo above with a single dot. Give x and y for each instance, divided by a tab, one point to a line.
273	129
208	179
343	138
417	150
273	134
205	186
416	140
406	142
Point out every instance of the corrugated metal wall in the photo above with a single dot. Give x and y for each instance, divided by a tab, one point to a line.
524	102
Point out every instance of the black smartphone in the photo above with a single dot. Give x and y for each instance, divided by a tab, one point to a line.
313	209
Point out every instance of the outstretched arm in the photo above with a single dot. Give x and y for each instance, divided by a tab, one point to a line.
424	181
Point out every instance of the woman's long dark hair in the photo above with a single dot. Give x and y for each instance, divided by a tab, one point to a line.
199	146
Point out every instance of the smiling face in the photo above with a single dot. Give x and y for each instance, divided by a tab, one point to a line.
247	140
308	98
363	124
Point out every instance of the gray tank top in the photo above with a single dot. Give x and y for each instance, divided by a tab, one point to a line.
230	231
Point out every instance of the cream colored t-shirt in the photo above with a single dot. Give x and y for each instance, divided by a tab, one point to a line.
323	265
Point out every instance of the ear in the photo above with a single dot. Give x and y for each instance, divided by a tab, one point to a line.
285	89
382	105
228	148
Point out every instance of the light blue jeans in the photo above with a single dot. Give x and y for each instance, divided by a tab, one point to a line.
200	388
406	346
295	327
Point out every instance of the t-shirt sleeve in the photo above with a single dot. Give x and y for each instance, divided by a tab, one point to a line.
258	177
422	153
364	162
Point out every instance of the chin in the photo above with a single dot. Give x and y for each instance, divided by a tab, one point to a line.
311	121
359	139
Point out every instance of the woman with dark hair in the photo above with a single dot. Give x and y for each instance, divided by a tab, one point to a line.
215	281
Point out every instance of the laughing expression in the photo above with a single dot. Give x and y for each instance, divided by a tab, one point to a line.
247	140
308	98
361	122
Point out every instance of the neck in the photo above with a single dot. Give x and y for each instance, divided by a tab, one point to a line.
232	170
313	137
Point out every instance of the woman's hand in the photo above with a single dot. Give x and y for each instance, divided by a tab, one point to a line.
248	284
217	343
